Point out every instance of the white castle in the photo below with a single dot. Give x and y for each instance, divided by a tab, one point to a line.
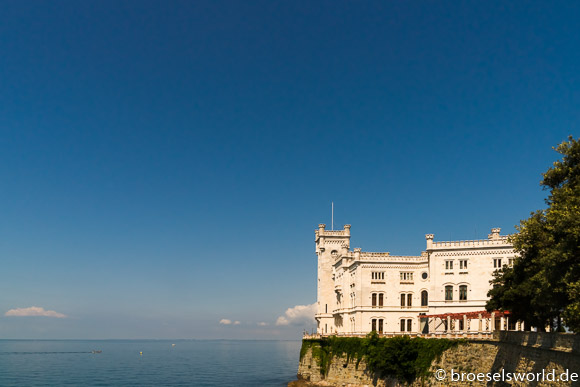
442	290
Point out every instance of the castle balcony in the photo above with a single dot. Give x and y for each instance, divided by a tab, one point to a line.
322	315
488	336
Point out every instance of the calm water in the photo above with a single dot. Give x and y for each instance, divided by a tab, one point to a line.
188	363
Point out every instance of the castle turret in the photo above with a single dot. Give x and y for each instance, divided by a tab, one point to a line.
429	238
494	233
330	245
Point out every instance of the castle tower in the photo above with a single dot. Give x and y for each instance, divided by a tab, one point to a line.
330	245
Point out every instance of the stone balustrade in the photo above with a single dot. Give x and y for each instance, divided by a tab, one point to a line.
502	241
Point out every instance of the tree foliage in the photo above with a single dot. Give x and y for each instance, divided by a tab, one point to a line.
544	282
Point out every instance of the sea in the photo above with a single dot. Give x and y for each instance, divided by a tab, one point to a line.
148	362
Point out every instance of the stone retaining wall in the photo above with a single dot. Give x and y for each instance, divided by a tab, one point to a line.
511	352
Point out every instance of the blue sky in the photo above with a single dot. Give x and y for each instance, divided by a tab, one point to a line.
163	165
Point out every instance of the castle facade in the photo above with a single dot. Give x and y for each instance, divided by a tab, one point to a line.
360	292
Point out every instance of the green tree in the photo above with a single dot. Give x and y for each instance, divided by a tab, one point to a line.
544	282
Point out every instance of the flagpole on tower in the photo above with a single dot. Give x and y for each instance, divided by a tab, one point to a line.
332	219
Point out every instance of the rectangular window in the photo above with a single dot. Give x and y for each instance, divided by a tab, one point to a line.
374	297
402	300
402	325
406	276
497	263
448	265
448	293
381	326
374	324
463	264
409	299
381	299
409	325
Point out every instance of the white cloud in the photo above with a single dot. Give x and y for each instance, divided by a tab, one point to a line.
225	321
298	315
262	324
33	311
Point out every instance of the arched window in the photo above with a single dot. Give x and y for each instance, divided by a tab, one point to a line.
463	292
409	299
374	300
424	298
380	299
406	325
402	300
449	293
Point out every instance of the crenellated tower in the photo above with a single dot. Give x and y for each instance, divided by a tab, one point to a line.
330	245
